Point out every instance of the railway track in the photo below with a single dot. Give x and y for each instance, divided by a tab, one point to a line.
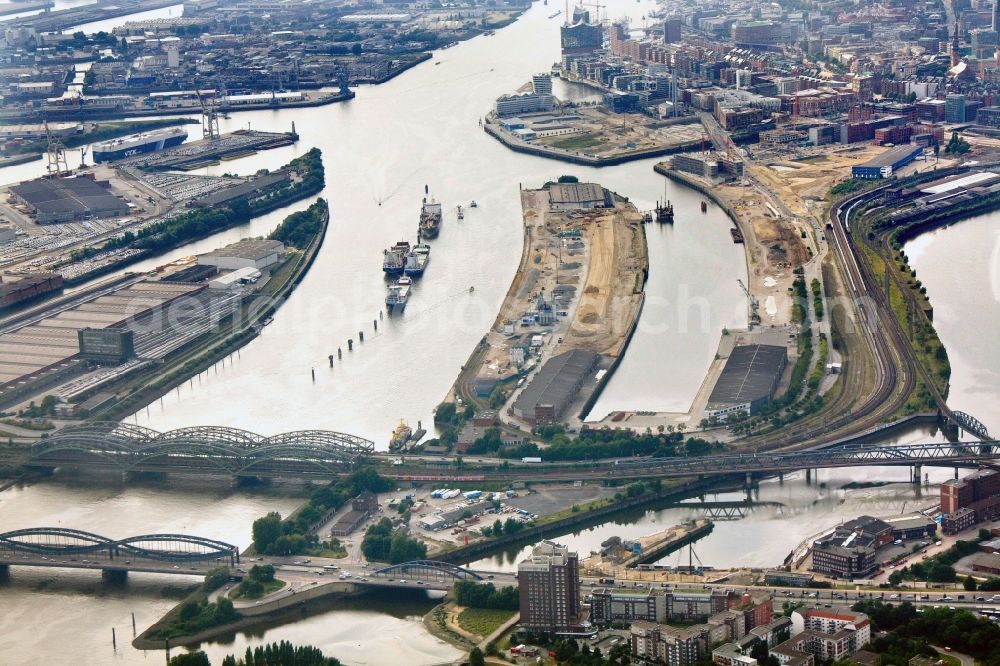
895	369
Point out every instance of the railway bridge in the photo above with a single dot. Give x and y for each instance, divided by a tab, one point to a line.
68	548
200	450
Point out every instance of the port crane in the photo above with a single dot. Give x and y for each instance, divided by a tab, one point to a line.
56	152
754	304
209	117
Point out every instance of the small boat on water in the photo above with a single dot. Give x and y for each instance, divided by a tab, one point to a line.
394	259
704	206
473	204
417	260
461	215
399	294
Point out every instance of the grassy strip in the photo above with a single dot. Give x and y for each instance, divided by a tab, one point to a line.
483	621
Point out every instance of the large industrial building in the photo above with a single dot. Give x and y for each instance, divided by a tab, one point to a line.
138	323
66	199
20	289
579	196
971	500
748	381
247	253
884	165
553	389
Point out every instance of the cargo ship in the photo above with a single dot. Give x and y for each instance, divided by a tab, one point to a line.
394	259
136	144
417	260
399	294
430	219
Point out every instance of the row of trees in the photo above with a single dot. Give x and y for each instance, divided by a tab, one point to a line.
383	544
478	595
300	228
272	654
939	568
960	630
509	527
593	444
202	222
273	536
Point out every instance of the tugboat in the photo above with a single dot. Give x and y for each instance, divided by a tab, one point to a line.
473	204
430	218
417	260
394	259
665	214
400	436
399	294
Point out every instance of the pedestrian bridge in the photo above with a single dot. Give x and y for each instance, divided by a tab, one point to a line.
206	450
156	553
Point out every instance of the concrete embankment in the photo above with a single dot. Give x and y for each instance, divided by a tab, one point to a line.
584	160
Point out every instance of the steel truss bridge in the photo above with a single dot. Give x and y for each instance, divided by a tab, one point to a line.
970	424
64	547
946	454
428	570
205	450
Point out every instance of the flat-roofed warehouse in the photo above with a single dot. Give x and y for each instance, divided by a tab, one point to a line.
579	196
49	349
67	199
554	387
247	253
748	381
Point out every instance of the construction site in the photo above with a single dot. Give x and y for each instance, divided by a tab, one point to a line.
571	307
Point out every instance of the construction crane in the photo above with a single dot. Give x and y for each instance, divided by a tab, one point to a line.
754	305
596	6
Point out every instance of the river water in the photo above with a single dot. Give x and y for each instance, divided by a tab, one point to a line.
384	146
960	266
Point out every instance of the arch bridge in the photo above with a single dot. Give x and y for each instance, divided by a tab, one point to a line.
970	424
205	450
51	546
428	570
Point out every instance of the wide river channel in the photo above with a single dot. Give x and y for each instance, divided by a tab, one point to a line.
380	150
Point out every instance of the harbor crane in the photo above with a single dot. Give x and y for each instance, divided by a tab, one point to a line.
754	304
56	152
209	117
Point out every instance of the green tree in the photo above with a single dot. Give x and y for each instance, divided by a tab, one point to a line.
969	583
266	531
198	658
476	657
